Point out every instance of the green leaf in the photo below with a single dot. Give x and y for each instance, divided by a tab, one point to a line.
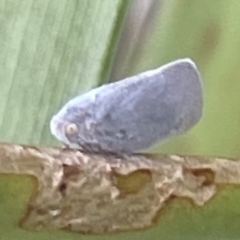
51	51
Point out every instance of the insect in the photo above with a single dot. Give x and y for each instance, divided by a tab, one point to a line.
134	113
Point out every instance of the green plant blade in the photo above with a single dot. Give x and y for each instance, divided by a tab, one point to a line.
50	51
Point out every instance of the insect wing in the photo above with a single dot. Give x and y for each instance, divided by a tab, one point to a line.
139	111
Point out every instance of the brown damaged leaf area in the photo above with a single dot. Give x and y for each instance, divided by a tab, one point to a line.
93	193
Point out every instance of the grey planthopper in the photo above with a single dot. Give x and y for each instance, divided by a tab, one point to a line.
134	113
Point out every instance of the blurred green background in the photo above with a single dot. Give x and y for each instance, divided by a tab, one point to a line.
206	31
53	50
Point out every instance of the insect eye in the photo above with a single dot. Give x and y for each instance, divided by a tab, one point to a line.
71	128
